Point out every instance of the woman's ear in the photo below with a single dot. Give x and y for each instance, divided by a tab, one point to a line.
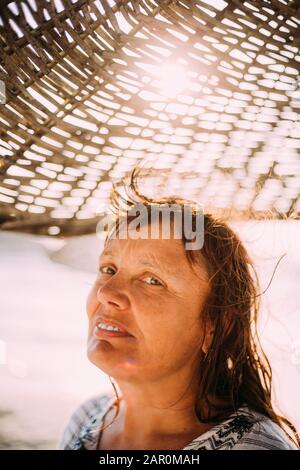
210	329
208	337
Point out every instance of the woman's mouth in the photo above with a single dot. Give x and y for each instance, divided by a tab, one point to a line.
102	331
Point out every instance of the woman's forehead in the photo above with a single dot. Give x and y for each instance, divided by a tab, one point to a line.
136	228
154	247
168	255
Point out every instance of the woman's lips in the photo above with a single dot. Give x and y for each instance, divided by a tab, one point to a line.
111	322
101	333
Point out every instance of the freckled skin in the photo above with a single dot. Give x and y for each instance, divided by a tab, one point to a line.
161	306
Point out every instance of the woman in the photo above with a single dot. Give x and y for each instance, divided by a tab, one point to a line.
176	330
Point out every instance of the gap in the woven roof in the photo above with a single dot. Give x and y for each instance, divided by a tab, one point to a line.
20	206
163	51
13	7
8	192
64	79
28	16
11	181
69	37
6	199
16	28
81	123
218	4
33	4
163	18
42	100
15	170
90	149
177	34
122	23
248	23
52	166
99	6
6	145
202	9
36	148
59	7
36	209
251	6
292	21
46	14
50	141
240	55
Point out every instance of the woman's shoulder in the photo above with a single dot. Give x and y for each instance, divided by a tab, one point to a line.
244	429
82	415
263	434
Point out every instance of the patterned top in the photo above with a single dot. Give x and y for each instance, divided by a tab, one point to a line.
242	430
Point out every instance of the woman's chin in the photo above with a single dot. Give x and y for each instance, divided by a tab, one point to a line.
114	364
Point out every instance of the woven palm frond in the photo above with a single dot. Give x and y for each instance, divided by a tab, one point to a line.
89	88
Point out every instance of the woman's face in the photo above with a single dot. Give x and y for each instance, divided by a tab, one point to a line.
149	288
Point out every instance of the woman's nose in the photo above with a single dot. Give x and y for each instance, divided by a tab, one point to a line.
112	294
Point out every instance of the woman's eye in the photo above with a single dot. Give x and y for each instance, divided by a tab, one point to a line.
105	270
149	279
156	281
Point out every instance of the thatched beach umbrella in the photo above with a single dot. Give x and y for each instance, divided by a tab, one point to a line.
90	88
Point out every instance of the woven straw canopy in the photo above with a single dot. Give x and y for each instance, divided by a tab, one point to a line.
90	88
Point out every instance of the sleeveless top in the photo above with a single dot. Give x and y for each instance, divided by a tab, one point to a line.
244	429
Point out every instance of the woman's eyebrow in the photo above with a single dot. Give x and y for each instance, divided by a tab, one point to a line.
145	263
105	253
164	269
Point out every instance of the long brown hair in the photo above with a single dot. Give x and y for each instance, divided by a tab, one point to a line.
235	370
